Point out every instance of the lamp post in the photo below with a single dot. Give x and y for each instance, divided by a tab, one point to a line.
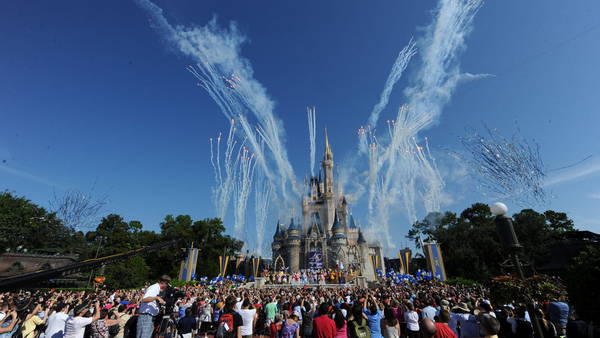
510	242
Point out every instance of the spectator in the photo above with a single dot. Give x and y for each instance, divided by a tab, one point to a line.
390	326
412	321
56	321
374	316
341	325
323	326
427	328
290	327
75	326
490	326
149	307
187	324
230	322
442	328
248	313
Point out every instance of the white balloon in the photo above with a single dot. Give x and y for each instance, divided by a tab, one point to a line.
499	209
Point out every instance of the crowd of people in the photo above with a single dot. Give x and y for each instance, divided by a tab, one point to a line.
308	276
422	309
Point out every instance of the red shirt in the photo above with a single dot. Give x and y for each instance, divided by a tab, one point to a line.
274	329
324	327
443	331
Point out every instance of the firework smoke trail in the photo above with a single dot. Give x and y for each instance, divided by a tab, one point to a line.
228	78
402	164
262	199
224	186
242	191
440	73
395	74
312	135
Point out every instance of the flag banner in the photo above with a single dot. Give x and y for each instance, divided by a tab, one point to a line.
255	266
405	256
435	261
238	261
375	260
315	260
223	262
187	269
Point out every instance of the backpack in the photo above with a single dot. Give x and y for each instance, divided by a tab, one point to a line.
225	325
362	330
114	330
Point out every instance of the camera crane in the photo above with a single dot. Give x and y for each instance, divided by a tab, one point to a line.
26	279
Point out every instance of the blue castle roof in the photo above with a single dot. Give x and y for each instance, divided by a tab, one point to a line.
352	223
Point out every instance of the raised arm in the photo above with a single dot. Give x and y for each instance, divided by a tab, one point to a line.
12	324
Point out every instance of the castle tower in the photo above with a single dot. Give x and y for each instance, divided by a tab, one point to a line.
352	231
293	246
366	266
277	241
339	243
343	211
328	196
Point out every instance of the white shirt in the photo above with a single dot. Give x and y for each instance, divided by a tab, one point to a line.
75	326
248	319
56	325
150	307
412	320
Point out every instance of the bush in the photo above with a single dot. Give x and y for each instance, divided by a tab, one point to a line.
462	281
509	289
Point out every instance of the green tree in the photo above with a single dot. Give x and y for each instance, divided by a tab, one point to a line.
558	221
470	241
114	235
207	235
583	278
131	273
25	224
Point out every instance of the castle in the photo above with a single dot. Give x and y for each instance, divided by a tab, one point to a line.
328	236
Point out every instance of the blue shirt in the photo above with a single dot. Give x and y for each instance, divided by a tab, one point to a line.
428	312
559	313
374	323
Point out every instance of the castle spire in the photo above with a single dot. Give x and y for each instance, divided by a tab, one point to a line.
328	153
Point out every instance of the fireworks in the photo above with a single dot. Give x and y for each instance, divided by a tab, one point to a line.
77	209
511	168
400	170
312	135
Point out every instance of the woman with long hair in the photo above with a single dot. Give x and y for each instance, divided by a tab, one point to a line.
340	324
290	327
390	327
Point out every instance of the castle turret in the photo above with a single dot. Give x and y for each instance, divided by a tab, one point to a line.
328	166
293	246
327	184
366	265
277	240
352	231
339	242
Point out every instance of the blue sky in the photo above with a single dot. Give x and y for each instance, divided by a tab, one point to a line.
91	94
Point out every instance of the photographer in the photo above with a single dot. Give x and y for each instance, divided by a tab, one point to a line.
75	326
12	320
149	307
36	318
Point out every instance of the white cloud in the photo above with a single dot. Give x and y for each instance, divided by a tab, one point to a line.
595	195
573	174
23	174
